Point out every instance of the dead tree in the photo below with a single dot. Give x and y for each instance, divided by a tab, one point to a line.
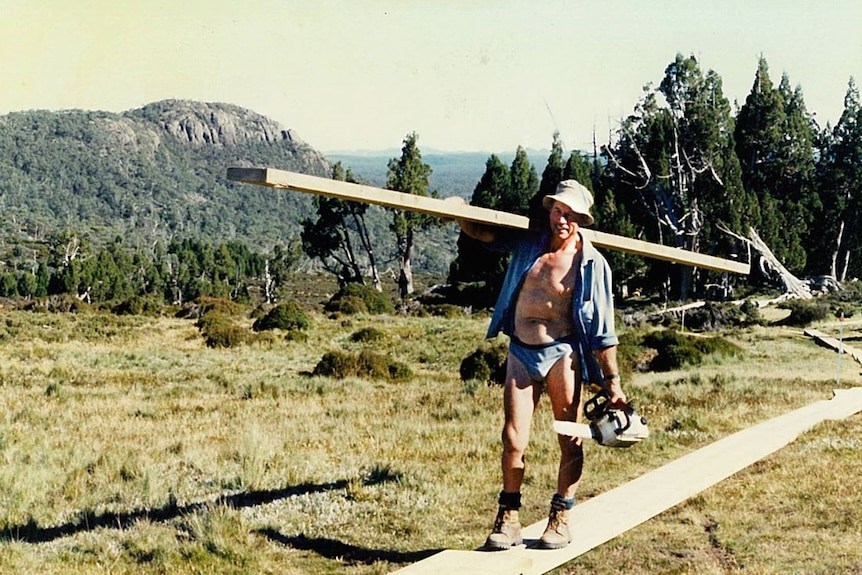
771	267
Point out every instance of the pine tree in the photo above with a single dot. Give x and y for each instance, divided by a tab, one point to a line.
840	176
524	184
675	168
474	262
774	142
408	174
551	176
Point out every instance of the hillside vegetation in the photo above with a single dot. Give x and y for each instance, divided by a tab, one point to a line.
149	174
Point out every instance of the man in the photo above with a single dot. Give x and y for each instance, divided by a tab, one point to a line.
556	306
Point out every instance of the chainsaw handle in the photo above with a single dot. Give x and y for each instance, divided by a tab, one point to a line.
597	405
621	414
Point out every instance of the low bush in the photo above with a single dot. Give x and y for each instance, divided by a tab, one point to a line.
348	305
148	305
805	312
221	332
286	316
714	316
487	364
373	300
366	364
367	335
675	349
219	305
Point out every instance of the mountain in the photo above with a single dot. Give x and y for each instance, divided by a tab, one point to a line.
147	174
158	173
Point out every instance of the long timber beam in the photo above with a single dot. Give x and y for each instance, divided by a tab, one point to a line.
453	210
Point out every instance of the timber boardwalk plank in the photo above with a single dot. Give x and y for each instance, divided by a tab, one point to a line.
601	518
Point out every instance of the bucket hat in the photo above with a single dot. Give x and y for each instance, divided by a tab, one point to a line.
573	194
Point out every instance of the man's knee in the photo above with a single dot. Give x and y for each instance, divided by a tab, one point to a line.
514	441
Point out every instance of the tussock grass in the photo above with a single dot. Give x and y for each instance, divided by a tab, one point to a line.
129	446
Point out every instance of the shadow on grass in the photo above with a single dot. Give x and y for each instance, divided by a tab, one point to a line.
349	554
89	520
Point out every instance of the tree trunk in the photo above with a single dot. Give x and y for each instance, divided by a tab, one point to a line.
365	239
793	286
405	278
837	249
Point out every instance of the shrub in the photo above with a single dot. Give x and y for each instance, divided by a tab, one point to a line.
368	364
487	363
751	313
374	301
805	312
220	331
675	349
139	305
446	310
349	305
287	316
714	316
61	303
220	305
368	334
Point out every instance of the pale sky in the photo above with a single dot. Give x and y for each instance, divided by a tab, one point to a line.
471	75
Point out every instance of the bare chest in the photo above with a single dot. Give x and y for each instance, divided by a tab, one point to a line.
547	289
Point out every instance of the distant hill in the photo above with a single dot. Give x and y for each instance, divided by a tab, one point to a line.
453	173
148	174
159	172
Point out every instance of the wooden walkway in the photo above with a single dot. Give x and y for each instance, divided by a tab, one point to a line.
610	514
830	341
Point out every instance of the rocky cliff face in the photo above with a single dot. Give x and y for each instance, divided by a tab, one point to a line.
224	125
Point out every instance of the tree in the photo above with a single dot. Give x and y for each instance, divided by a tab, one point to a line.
524	184
840	175
551	176
330	238
674	166
410	175
774	143
474	262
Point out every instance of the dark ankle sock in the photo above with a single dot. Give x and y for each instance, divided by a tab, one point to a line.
510	500
568	503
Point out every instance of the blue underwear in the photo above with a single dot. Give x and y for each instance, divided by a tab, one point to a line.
539	359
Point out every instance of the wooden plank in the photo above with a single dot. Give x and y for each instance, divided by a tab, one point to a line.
610	514
456	210
472	562
833	343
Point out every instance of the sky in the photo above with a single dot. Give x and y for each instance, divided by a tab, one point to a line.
464	75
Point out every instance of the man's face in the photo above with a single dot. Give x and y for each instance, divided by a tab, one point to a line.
564	222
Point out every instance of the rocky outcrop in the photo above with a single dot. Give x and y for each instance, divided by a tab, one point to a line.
207	123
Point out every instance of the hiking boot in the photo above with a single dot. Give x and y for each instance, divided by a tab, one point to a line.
507	531
556	535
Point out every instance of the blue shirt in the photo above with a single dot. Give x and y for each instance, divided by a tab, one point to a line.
592	298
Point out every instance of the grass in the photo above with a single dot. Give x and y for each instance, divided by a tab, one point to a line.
129	446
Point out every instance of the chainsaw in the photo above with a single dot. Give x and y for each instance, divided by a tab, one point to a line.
609	425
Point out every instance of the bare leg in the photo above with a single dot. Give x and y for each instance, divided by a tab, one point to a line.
564	390
520	397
